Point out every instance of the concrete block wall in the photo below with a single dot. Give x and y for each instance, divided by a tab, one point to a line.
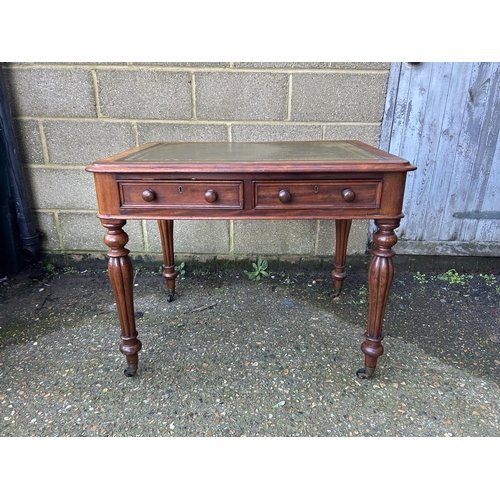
69	115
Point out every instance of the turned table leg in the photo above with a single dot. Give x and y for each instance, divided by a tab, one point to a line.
342	229
121	277
166	228
380	274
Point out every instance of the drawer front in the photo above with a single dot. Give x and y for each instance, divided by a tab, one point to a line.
286	195
181	194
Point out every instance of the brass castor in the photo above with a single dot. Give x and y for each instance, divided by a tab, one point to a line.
335	293
365	372
130	371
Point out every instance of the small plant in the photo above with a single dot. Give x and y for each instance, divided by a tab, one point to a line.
180	269
70	270
363	297
287	280
51	269
452	277
201	272
489	279
363	293
259	270
421	278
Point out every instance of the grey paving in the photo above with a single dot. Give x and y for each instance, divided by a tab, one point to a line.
228	357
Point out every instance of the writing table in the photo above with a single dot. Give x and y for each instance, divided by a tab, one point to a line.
340	180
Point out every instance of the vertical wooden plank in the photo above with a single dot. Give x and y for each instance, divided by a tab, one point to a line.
394	139
454	95
388	120
481	94
460	200
425	191
489	230
397	128
408	130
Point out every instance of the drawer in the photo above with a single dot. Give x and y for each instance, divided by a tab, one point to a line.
286	195
181	194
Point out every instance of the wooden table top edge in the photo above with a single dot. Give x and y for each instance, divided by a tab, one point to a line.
382	162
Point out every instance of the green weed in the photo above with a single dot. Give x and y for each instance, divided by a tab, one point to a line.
489	279
421	278
259	270
363	296
286	279
452	277
51	269
180	269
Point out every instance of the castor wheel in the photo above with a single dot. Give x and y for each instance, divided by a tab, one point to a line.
170	297
365	372
130	371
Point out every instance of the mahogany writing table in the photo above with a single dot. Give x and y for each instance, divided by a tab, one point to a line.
341	180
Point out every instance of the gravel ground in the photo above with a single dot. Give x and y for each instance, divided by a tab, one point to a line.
234	357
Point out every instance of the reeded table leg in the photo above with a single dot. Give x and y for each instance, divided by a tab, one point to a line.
166	228
380	274
342	229
121	277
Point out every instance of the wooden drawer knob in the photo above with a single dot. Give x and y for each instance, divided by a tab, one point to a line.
348	195
148	195
284	196
211	196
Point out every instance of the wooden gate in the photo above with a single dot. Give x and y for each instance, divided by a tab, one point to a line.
445	119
